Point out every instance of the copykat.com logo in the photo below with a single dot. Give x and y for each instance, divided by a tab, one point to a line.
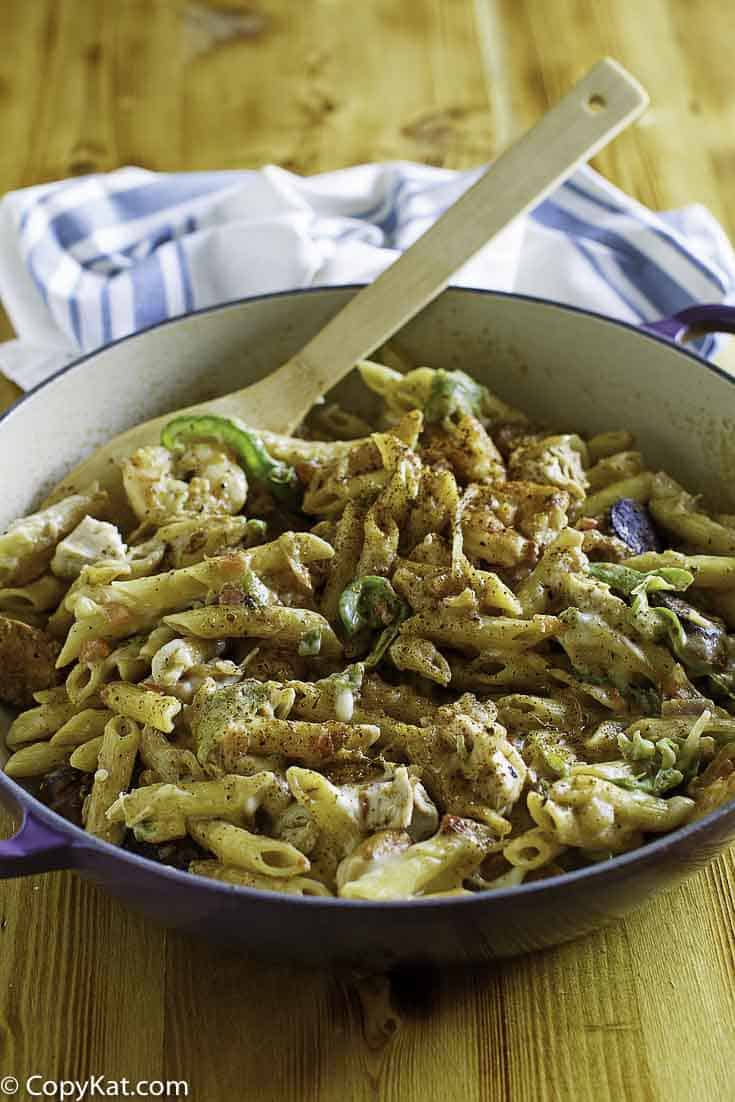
97	1086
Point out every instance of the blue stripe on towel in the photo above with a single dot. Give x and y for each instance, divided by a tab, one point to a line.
106	313
652	281
615	208
110	230
149	292
73	226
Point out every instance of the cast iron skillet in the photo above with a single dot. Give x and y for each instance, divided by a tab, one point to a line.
574	368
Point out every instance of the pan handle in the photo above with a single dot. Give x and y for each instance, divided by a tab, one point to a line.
714	318
36	847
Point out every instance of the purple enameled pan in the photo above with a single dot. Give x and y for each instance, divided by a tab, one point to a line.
569	367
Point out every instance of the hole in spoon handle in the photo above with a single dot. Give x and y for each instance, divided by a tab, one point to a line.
595	102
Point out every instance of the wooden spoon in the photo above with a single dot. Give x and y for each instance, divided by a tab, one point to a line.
589	116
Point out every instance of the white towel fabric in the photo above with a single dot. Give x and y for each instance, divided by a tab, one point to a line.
86	261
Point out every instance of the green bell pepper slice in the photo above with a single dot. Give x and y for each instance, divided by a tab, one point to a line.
251	453
370	602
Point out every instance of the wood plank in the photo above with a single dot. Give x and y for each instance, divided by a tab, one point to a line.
273	1045
678	952
73	127
24	35
8	391
81	983
541	63
386	81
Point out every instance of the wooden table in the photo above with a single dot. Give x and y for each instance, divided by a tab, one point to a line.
643	1011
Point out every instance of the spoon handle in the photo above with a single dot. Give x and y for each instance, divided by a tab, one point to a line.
589	116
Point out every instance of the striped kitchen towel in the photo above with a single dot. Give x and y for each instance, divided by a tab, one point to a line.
86	261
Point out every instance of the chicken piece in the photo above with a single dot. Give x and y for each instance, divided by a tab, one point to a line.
601	546
511	524
465	759
28	546
27	662
467	447
91	541
552	461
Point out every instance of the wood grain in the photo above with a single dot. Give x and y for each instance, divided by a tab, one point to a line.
643	1011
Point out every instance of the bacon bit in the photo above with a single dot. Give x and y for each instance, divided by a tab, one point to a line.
588	524
117	615
153	687
94	650
530	553
305	471
231	595
232	564
452	824
324	745
363	458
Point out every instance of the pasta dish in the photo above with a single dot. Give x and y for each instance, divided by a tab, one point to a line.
440	651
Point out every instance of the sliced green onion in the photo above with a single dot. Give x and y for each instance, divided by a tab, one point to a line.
626	580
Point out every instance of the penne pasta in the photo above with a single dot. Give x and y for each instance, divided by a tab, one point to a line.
28	545
159	812
39	596
228	874
115	761
35	760
86	756
241	849
532	850
637	488
169	763
39	723
143	705
454	852
81	727
284	625
456	653
453	627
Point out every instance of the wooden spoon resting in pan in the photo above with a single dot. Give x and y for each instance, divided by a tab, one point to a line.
605	101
